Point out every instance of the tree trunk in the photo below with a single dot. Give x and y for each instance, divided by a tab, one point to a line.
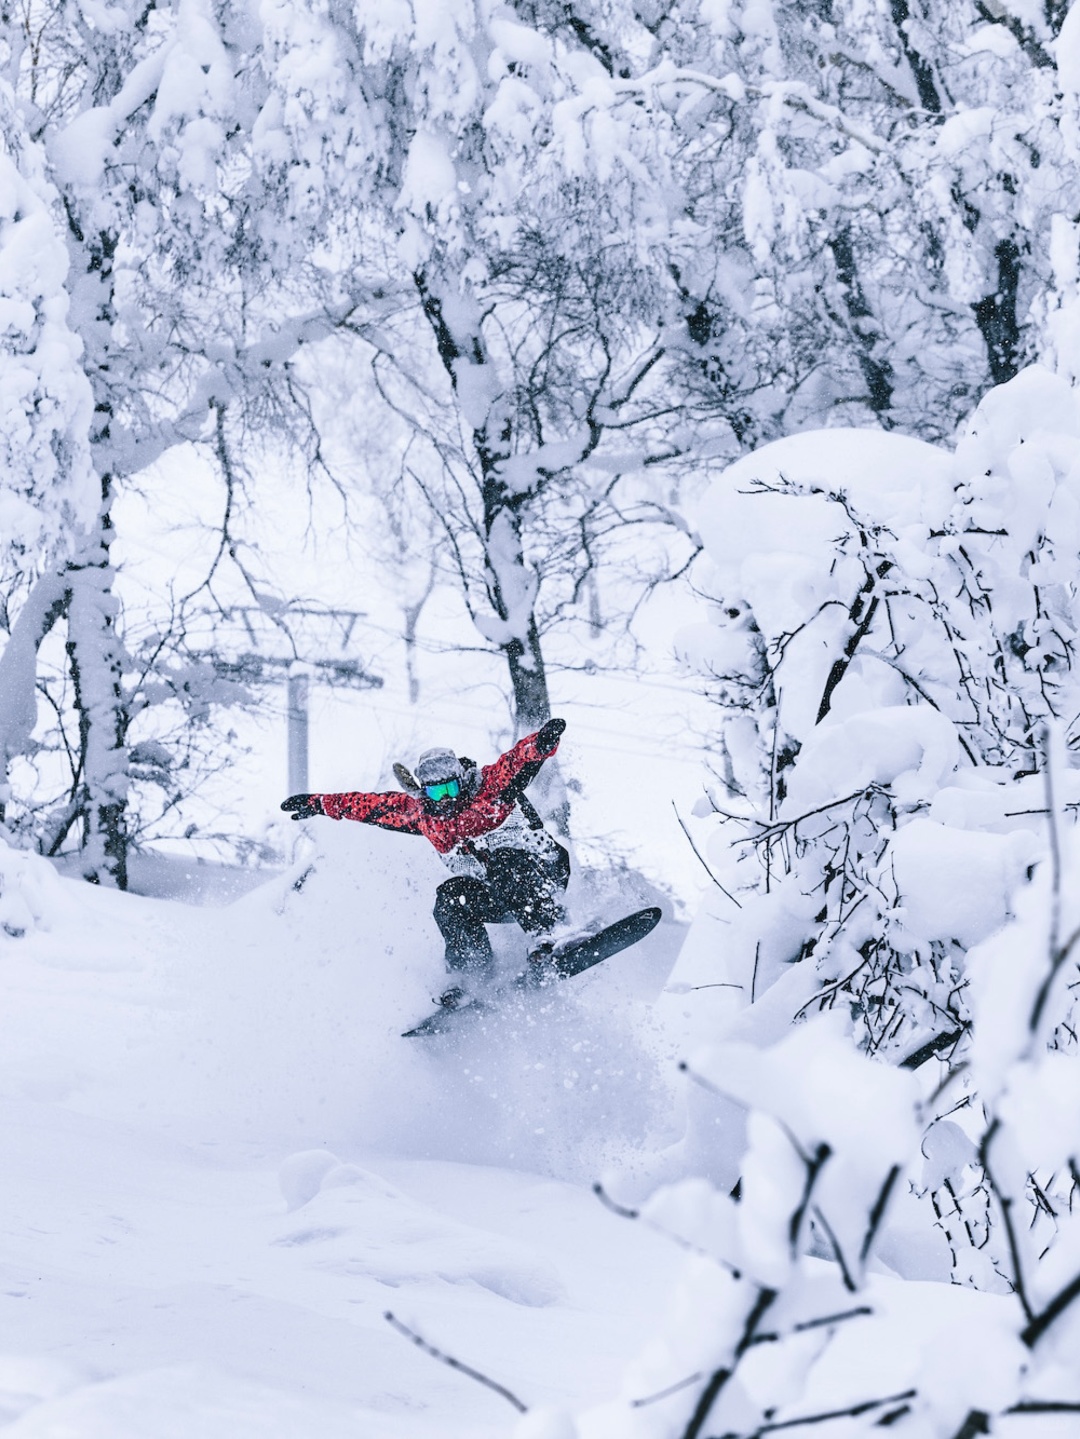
921	71
511	585
412	615
532	704
877	372
995	315
95	652
96	658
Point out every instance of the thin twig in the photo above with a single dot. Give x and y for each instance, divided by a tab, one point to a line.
717	1380
845	1272
704	866
1058	956
859	1312
814	1165
780	825
931	1048
677	1239
719	1377
1016	813
1055	854
666	1393
1038	1325
877	1214
852	1412
622	1210
1045	1406
977	1422
1005	1204
693	988
452	1363
862	620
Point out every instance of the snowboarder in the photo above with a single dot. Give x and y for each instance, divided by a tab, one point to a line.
506	866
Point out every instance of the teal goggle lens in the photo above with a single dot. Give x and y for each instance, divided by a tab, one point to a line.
449	790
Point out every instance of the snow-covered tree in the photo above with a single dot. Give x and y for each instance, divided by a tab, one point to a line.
523	336
584	250
893	636
798	1303
878	1000
47	490
867	204
190	300
685	230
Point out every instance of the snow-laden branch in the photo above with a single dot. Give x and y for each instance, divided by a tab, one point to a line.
792	93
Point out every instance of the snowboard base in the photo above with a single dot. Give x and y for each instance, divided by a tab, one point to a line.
545	968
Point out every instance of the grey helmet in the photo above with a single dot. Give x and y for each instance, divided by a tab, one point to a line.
436	766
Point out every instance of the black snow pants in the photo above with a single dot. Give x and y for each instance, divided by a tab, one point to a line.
517	885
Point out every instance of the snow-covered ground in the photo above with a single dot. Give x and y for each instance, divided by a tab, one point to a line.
222	1166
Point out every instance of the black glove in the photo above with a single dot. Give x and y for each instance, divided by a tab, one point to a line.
302	806
547	738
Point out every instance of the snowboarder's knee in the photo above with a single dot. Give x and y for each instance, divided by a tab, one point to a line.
460	891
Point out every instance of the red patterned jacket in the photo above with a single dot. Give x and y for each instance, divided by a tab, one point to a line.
453	828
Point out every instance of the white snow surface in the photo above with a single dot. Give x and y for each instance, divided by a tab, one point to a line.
222	1165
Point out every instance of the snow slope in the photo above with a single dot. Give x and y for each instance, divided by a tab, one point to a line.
222	1165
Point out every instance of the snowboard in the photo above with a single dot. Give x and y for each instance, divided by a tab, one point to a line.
546	968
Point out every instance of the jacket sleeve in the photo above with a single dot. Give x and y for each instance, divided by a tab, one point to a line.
517	768
388	811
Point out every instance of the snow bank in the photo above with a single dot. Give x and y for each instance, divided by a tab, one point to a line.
32	895
280	1030
222	1164
361	1224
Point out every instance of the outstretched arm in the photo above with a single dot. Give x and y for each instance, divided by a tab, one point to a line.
389	811
514	771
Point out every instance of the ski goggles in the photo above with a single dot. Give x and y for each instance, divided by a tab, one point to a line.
449	790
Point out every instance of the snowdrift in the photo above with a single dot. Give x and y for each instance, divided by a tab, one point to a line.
222	1164
276	1021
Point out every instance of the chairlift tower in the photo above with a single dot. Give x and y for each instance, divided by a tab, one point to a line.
294	642
297	708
